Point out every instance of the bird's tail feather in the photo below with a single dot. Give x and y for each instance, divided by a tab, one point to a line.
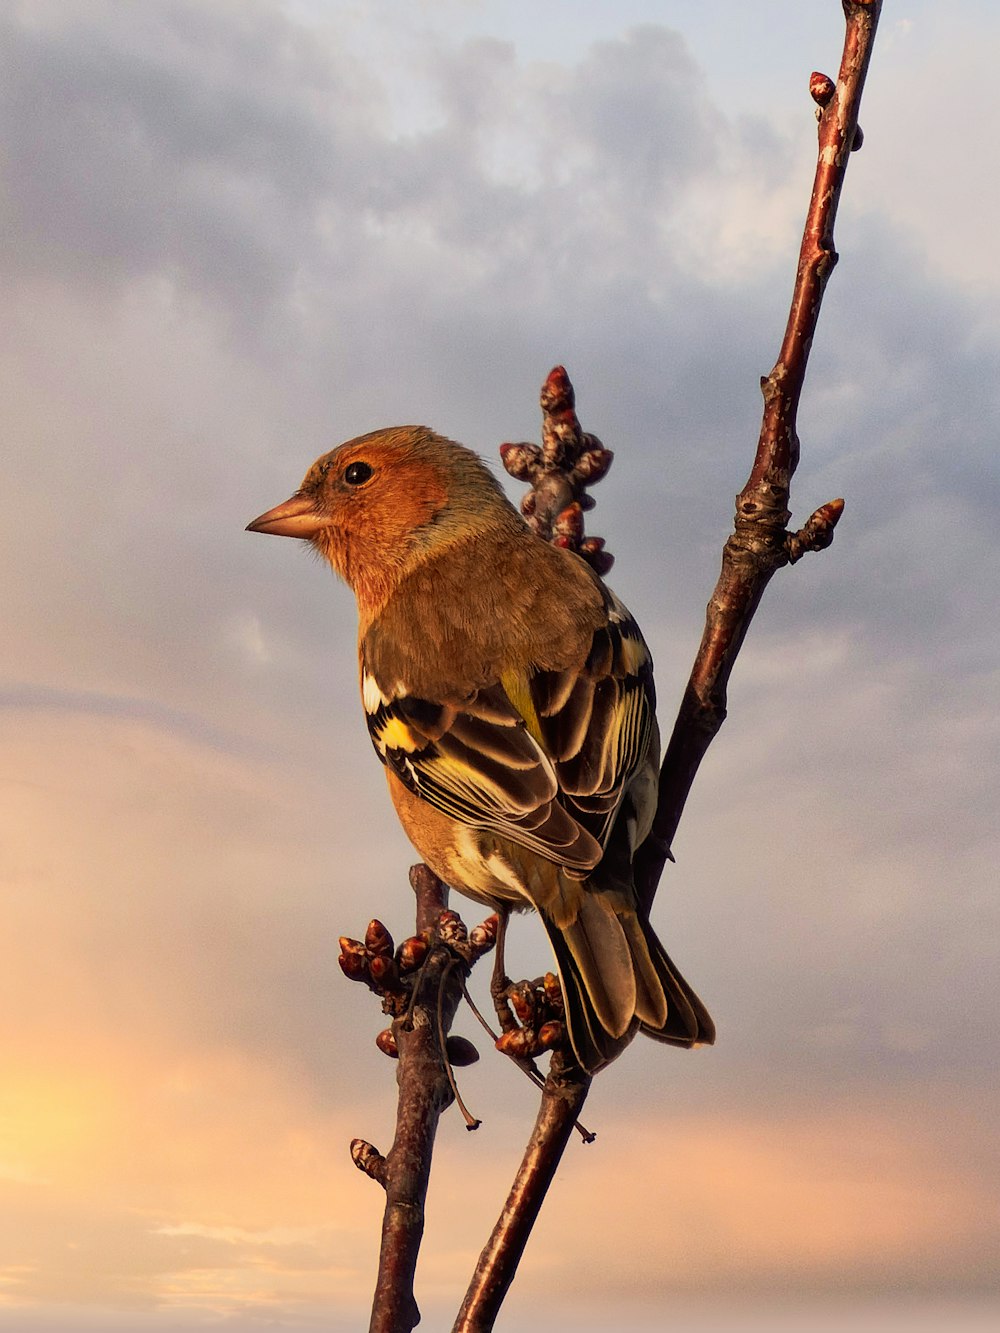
616	977
688	1022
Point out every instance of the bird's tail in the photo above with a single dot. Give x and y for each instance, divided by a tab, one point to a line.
617	977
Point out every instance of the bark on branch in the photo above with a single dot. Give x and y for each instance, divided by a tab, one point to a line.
424	1093
760	543
565	1091
421	987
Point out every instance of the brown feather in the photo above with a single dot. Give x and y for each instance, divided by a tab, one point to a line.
510	696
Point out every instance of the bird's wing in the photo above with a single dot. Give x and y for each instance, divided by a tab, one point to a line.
541	757
596	721
476	761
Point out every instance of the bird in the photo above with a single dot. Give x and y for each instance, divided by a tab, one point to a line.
509	695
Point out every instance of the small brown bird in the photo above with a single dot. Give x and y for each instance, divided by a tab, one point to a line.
509	695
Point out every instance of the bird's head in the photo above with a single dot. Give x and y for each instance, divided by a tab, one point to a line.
378	505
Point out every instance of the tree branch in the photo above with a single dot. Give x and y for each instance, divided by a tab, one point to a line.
565	1092
760	543
569	461
421	986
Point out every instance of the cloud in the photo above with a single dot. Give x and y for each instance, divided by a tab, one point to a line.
839	1198
140	145
931	197
108	1222
241	232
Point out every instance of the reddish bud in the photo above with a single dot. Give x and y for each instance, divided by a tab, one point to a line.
592	465
368	1159
522	1001
570	523
596	557
550	1034
377	938
517	1043
386	1042
383	971
353	967
412	953
858	140
553	991
821	88
557	391
521	460
451	928
460	1052
353	959
484	936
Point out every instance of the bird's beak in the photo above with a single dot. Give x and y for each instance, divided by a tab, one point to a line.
297	517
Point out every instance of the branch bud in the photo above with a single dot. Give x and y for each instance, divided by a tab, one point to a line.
483	937
353	959
521	460
451	928
592	550
557	391
553	992
551	1034
377	939
386	1042
517	1043
821	88
369	1160
593	464
569	524
383	972
411	953
460	1052
522	1001
817	534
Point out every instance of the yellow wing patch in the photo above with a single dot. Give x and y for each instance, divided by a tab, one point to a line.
394	734
476	761
518	690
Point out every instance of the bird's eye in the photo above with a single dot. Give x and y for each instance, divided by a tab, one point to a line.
356	474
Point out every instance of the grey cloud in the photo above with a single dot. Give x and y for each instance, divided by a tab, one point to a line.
224	257
172	139
238	158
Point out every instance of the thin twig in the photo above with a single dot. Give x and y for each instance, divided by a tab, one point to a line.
471	1122
760	543
565	1092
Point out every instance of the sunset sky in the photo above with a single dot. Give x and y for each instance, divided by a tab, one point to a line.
237	232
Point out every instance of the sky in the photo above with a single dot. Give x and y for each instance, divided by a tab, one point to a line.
236	234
